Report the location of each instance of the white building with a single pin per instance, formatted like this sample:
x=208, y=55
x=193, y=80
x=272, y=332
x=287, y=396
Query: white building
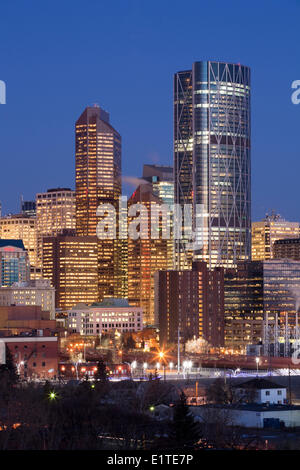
x=249, y=415
x=261, y=391
x=33, y=292
x=259, y=403
x=98, y=318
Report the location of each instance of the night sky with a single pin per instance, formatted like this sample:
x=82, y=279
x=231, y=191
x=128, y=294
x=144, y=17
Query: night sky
x=57, y=57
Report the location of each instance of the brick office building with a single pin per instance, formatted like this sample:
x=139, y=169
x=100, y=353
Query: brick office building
x=191, y=301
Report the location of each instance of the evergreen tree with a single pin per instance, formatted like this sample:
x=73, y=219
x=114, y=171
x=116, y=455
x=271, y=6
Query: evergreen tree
x=130, y=343
x=184, y=431
x=9, y=370
x=101, y=373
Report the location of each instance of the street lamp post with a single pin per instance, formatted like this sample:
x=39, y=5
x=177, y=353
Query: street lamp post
x=257, y=362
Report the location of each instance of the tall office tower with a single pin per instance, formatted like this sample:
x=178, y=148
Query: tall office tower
x=273, y=227
x=28, y=208
x=162, y=181
x=212, y=160
x=55, y=212
x=21, y=227
x=190, y=303
x=14, y=262
x=98, y=182
x=146, y=254
x=70, y=262
x=260, y=293
x=288, y=248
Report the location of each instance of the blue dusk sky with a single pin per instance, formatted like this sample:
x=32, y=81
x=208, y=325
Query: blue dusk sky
x=57, y=57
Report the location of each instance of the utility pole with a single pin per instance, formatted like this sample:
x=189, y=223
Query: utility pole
x=178, y=351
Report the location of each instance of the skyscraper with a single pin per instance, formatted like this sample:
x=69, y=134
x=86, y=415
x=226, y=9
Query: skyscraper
x=55, y=212
x=22, y=227
x=70, y=263
x=259, y=293
x=212, y=159
x=146, y=255
x=264, y=234
x=98, y=181
x=190, y=302
x=14, y=262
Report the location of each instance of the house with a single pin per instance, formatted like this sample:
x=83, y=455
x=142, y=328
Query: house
x=260, y=390
x=259, y=403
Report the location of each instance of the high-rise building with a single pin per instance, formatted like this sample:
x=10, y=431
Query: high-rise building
x=55, y=212
x=260, y=292
x=273, y=227
x=288, y=248
x=70, y=263
x=22, y=227
x=34, y=292
x=28, y=208
x=162, y=180
x=98, y=182
x=14, y=262
x=146, y=254
x=212, y=160
x=190, y=303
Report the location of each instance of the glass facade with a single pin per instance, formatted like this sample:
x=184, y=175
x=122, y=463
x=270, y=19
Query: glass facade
x=259, y=293
x=98, y=181
x=14, y=262
x=212, y=159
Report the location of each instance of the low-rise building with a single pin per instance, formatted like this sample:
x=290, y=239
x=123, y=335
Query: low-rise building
x=110, y=314
x=249, y=415
x=33, y=292
x=35, y=357
x=261, y=391
x=25, y=319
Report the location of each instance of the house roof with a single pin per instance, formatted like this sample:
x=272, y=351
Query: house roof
x=258, y=384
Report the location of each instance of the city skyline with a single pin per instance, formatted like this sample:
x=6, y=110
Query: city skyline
x=147, y=135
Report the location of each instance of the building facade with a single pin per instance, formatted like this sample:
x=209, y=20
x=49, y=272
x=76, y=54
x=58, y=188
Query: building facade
x=287, y=249
x=14, y=262
x=265, y=233
x=21, y=227
x=190, y=303
x=146, y=254
x=212, y=137
x=55, y=212
x=35, y=357
x=98, y=182
x=259, y=294
x=34, y=292
x=71, y=265
x=108, y=315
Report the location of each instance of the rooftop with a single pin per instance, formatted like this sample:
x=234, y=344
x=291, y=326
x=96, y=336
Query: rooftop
x=112, y=302
x=258, y=407
x=259, y=384
x=14, y=243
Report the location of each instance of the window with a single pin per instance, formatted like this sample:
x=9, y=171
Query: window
x=279, y=392
x=268, y=392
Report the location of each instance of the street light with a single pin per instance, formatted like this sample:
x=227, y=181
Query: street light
x=171, y=365
x=257, y=362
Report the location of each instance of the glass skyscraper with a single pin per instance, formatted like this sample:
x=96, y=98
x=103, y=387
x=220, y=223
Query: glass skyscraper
x=212, y=160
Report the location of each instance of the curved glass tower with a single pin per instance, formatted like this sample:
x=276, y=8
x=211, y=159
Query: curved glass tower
x=212, y=134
